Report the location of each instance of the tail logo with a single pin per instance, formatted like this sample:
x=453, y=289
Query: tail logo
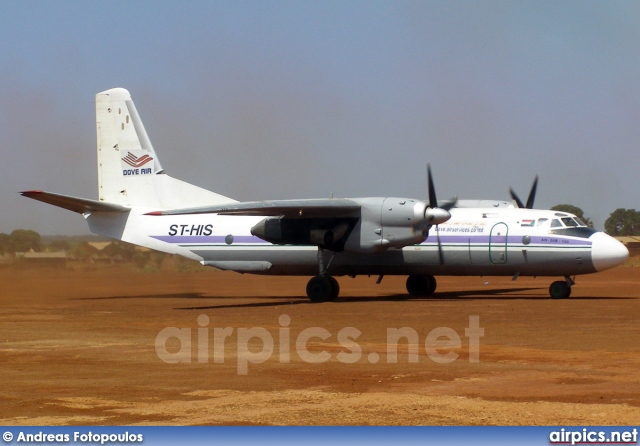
x=133, y=162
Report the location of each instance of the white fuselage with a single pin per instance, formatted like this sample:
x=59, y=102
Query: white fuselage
x=475, y=241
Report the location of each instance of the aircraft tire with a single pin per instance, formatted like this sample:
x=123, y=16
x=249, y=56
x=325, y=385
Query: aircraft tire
x=320, y=289
x=421, y=285
x=335, y=288
x=559, y=290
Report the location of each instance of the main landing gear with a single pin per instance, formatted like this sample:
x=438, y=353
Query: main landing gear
x=323, y=288
x=421, y=285
x=561, y=289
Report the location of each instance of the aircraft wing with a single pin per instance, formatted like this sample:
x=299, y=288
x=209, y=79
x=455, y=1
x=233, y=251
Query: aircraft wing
x=305, y=208
x=75, y=204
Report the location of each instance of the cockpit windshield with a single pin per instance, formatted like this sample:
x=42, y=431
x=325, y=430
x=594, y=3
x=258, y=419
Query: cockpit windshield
x=566, y=222
x=570, y=222
x=572, y=226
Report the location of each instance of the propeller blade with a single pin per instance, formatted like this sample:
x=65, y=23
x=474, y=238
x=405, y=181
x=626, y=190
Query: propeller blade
x=447, y=206
x=515, y=198
x=437, y=214
x=532, y=193
x=434, y=214
x=433, y=201
x=530, y=199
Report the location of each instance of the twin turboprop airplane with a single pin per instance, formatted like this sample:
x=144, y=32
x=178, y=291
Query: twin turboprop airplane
x=140, y=204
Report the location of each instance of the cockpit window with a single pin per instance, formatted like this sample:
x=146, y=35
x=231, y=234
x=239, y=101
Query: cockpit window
x=542, y=221
x=580, y=222
x=555, y=223
x=569, y=222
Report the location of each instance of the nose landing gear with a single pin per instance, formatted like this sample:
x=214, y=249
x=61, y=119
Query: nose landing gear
x=561, y=289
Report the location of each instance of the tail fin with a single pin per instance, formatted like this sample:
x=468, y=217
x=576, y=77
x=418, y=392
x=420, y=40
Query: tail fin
x=129, y=171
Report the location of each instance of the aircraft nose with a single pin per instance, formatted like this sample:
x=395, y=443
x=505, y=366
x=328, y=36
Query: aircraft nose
x=607, y=252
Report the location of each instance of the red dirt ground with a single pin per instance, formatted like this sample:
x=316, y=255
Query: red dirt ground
x=79, y=348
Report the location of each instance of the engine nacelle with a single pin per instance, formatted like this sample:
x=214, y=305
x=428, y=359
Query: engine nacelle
x=326, y=233
x=383, y=223
x=388, y=223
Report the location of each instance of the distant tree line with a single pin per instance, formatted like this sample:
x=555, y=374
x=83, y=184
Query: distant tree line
x=24, y=240
x=623, y=222
x=20, y=240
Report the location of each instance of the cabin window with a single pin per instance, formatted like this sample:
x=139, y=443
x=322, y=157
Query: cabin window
x=555, y=223
x=569, y=222
x=543, y=221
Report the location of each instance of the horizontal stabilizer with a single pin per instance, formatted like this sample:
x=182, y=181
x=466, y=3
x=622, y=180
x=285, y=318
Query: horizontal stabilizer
x=309, y=208
x=79, y=205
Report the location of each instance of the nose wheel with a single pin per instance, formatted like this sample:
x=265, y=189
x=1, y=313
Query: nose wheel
x=561, y=289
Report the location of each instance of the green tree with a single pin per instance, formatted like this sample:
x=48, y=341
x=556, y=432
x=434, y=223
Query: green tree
x=83, y=251
x=5, y=244
x=23, y=240
x=571, y=209
x=623, y=222
x=58, y=245
x=120, y=250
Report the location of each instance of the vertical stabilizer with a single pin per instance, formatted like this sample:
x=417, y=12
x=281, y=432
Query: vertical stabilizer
x=129, y=171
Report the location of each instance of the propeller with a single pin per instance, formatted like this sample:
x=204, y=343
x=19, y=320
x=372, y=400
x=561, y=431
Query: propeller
x=530, y=199
x=437, y=214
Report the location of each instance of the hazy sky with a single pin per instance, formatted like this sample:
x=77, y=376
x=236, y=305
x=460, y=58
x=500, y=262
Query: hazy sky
x=260, y=100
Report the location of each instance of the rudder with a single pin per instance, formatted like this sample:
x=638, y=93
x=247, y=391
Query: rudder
x=129, y=171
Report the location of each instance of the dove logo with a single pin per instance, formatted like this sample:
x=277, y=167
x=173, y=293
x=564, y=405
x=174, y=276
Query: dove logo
x=137, y=162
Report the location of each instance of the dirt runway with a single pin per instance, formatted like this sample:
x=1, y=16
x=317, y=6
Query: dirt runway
x=79, y=347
